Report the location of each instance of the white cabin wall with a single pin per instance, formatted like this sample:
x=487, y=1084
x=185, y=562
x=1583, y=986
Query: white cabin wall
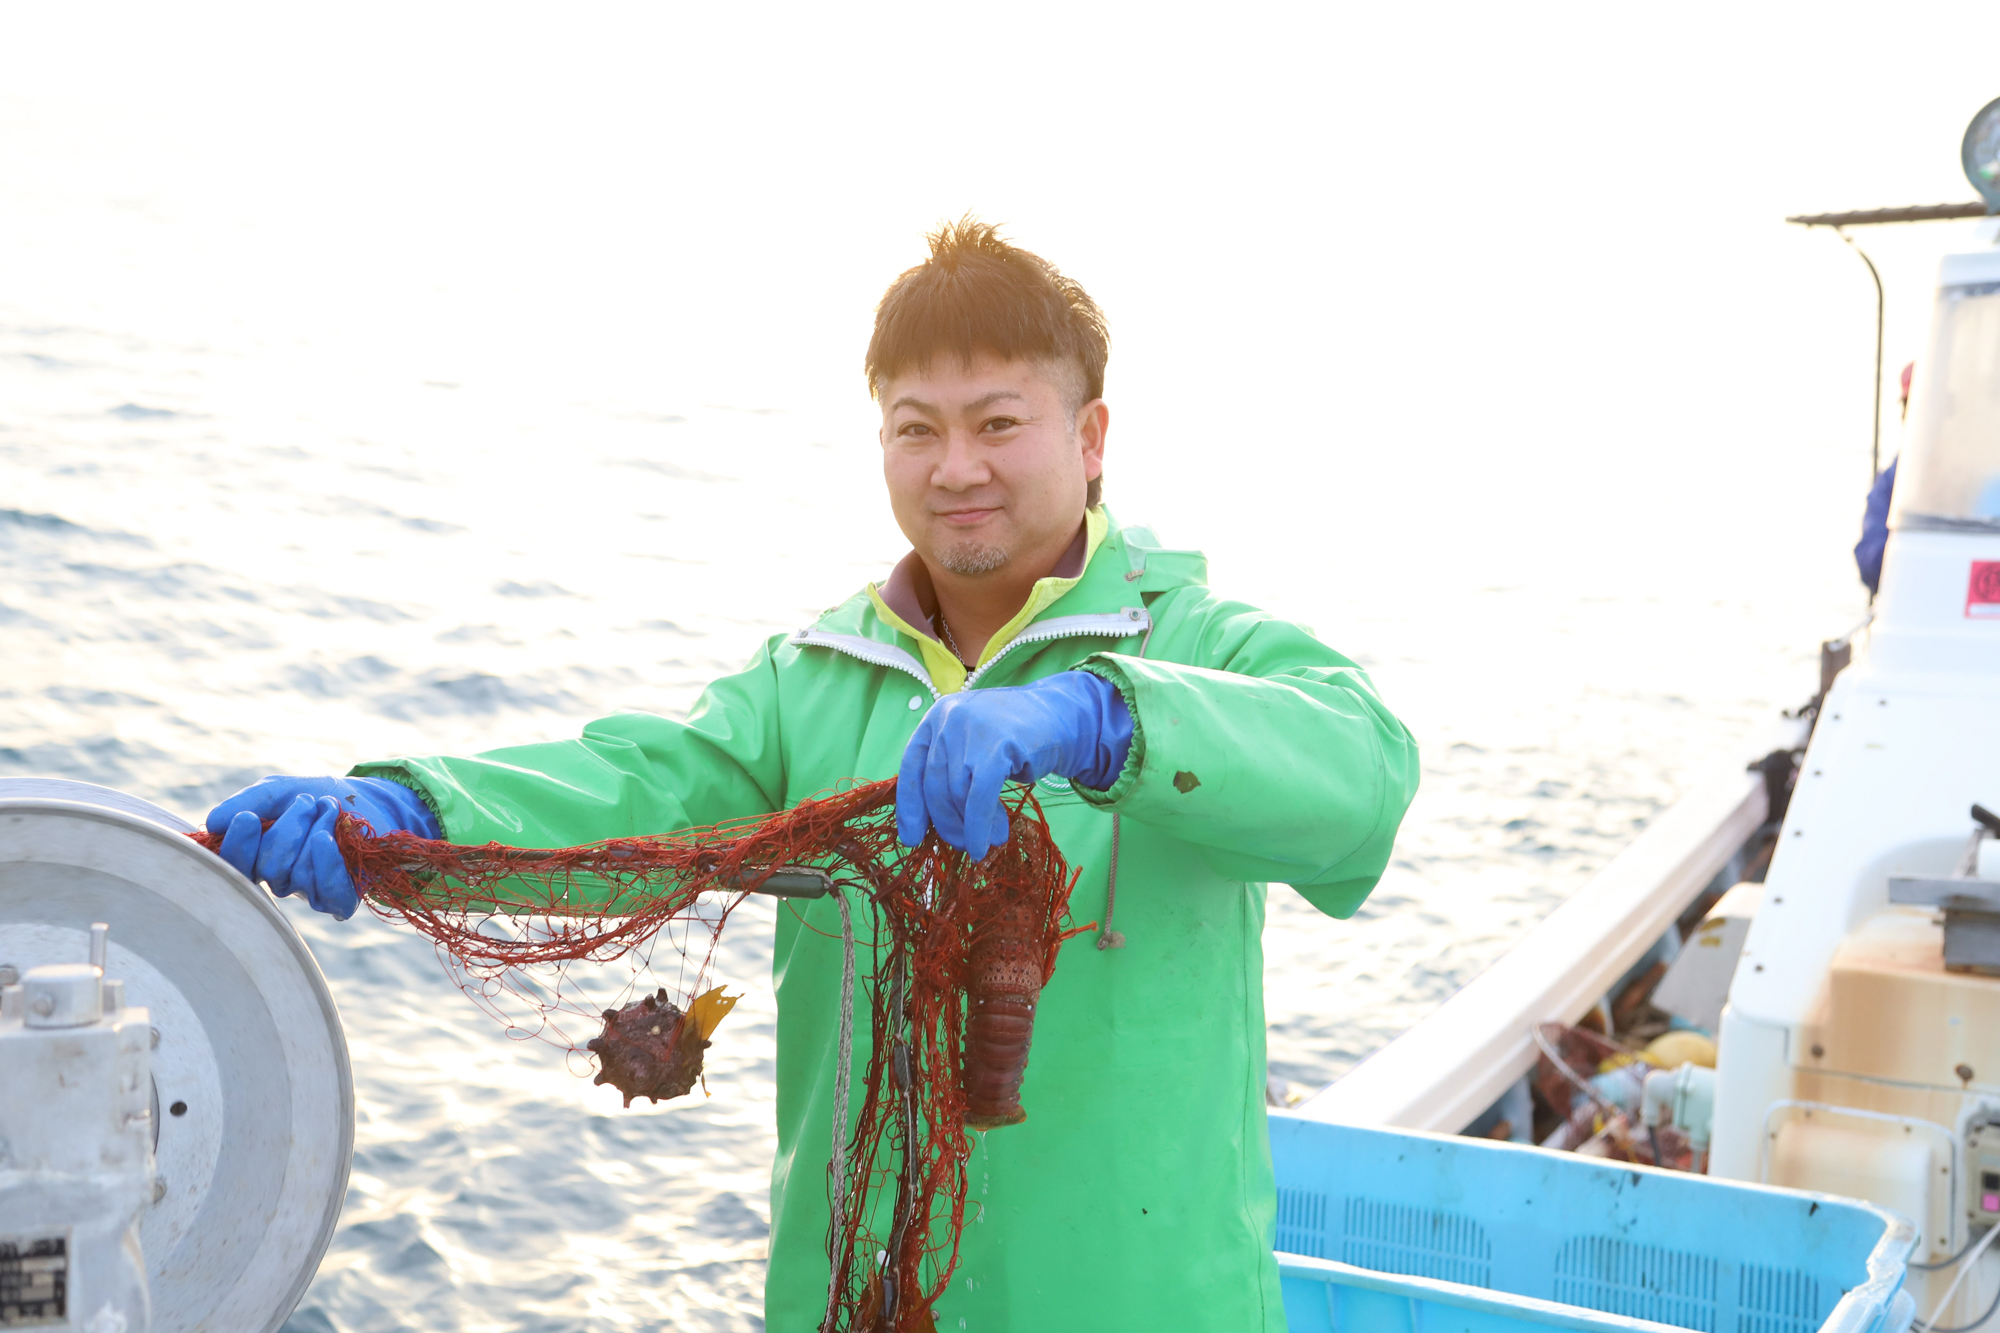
x=1921, y=626
x=1907, y=739
x=1885, y=787
x=1757, y=1074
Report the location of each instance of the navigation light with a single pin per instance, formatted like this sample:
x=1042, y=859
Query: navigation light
x=1981, y=154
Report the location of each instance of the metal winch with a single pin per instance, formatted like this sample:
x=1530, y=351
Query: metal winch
x=176, y=1108
x=76, y=1148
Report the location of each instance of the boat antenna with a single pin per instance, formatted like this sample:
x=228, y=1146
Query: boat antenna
x=1881, y=309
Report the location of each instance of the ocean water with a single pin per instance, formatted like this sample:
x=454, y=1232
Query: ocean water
x=422, y=385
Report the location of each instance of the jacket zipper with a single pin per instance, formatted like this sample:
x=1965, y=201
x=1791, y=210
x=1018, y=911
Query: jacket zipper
x=869, y=651
x=1121, y=625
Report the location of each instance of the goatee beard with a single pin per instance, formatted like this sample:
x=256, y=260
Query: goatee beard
x=972, y=558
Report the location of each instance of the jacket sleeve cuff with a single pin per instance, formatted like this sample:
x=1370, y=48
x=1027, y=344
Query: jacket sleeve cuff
x=394, y=771
x=1104, y=668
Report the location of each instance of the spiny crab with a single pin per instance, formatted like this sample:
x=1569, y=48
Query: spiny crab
x=651, y=1049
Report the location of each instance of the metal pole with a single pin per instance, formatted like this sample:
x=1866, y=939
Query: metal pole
x=1881, y=307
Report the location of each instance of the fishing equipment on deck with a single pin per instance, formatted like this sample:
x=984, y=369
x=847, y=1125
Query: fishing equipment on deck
x=238, y=1092
x=961, y=950
x=1382, y=1228
x=1597, y=1093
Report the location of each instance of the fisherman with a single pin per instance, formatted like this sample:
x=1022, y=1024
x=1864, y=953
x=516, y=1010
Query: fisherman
x=1187, y=750
x=1874, y=541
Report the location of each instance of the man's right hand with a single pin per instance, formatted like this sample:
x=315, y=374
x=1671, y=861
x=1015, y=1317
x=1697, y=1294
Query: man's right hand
x=297, y=854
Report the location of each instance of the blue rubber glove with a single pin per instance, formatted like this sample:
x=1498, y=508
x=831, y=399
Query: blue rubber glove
x=297, y=854
x=972, y=743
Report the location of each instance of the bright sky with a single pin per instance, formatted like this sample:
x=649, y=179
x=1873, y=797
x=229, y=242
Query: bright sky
x=1515, y=270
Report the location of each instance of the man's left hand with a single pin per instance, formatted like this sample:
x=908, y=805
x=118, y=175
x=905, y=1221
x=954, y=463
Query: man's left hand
x=972, y=743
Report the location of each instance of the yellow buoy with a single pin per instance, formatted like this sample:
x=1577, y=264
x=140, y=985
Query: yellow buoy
x=1674, y=1049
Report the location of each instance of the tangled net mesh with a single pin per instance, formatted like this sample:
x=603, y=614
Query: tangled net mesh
x=956, y=961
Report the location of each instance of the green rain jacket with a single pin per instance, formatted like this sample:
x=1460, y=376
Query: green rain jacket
x=1138, y=1193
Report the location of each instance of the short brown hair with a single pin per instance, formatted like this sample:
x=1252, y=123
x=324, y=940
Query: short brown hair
x=977, y=293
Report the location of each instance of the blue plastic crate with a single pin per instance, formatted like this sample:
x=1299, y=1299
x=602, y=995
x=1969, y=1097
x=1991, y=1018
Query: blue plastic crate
x=1385, y=1231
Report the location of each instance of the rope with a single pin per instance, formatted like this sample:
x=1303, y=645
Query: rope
x=1971, y=1263
x=842, y=1080
x=1943, y=1264
x=1966, y=1328
x=1576, y=1079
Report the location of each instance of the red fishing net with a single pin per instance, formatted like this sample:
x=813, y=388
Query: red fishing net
x=949, y=963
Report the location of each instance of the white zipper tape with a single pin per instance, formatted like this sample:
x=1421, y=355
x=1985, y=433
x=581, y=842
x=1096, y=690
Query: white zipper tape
x=1120, y=624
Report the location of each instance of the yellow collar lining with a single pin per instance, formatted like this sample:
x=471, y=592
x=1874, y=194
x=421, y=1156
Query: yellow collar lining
x=947, y=673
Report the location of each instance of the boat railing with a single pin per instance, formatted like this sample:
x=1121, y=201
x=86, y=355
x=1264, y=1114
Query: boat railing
x=1443, y=1072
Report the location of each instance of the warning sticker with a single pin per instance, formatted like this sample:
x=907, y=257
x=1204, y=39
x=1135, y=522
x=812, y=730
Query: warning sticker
x=1982, y=594
x=34, y=1281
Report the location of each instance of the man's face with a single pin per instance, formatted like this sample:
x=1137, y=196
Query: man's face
x=987, y=468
